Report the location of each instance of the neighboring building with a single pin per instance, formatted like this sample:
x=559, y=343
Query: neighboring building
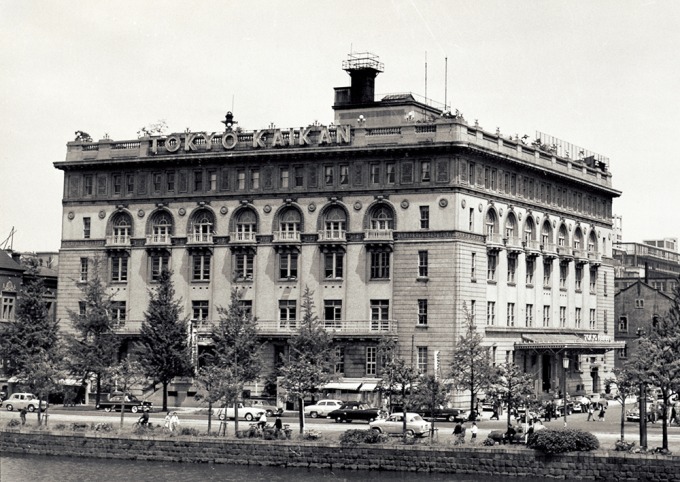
x=652, y=261
x=637, y=307
x=396, y=216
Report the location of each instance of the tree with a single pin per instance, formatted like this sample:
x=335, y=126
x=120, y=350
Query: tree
x=310, y=357
x=95, y=347
x=513, y=386
x=471, y=367
x=399, y=379
x=125, y=374
x=31, y=342
x=164, y=346
x=236, y=349
x=213, y=379
x=656, y=361
x=432, y=393
x=626, y=385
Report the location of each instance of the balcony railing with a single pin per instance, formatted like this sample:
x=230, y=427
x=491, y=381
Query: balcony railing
x=349, y=327
x=549, y=250
x=118, y=240
x=158, y=239
x=332, y=235
x=594, y=258
x=286, y=236
x=243, y=237
x=494, y=241
x=199, y=238
x=514, y=243
x=378, y=235
x=565, y=252
x=581, y=255
x=532, y=246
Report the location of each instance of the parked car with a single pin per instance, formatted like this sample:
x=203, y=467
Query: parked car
x=247, y=413
x=443, y=413
x=128, y=401
x=322, y=408
x=268, y=408
x=350, y=411
x=19, y=401
x=581, y=403
x=394, y=425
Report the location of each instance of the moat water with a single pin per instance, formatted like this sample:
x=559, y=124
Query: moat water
x=33, y=468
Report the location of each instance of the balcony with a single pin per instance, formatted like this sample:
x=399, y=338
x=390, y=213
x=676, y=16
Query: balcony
x=494, y=242
x=514, y=244
x=118, y=241
x=378, y=235
x=158, y=239
x=244, y=238
x=565, y=253
x=594, y=258
x=200, y=239
x=287, y=237
x=373, y=328
x=580, y=255
x=532, y=247
x=332, y=236
x=549, y=250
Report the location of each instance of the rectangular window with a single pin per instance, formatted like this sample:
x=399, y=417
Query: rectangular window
x=371, y=360
x=546, y=316
x=380, y=264
x=547, y=274
x=487, y=178
x=471, y=173
x=201, y=267
x=471, y=220
x=422, y=312
x=512, y=268
x=244, y=266
x=130, y=183
x=604, y=321
x=424, y=217
x=86, y=228
x=531, y=267
x=287, y=313
x=592, y=322
x=577, y=317
x=491, y=268
x=623, y=324
x=156, y=179
x=333, y=262
x=494, y=179
x=288, y=265
x=511, y=314
x=283, y=178
x=84, y=265
x=473, y=310
x=380, y=315
x=529, y=316
x=88, y=186
x=255, y=179
x=198, y=181
x=118, y=312
x=563, y=316
x=564, y=270
x=344, y=174
x=117, y=181
x=422, y=359
x=299, y=176
x=119, y=269
x=473, y=266
x=578, y=276
x=8, y=304
x=212, y=180
x=200, y=310
x=241, y=179
x=328, y=175
x=623, y=352
x=390, y=173
x=604, y=284
x=82, y=308
x=101, y=185
x=425, y=171
x=422, y=264
x=494, y=351
x=170, y=181
x=491, y=313
x=639, y=303
x=159, y=262
x=593, y=280
x=340, y=360
x=332, y=313
x=375, y=173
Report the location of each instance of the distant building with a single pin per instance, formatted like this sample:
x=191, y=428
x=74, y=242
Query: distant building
x=638, y=306
x=651, y=261
x=397, y=216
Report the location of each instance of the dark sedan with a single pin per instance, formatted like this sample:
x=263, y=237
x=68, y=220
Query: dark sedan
x=442, y=413
x=354, y=411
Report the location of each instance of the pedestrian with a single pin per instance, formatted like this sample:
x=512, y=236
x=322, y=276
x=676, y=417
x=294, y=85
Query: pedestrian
x=457, y=433
x=22, y=415
x=166, y=421
x=144, y=419
x=510, y=434
x=600, y=416
x=262, y=422
x=278, y=424
x=494, y=415
x=674, y=415
x=591, y=413
x=473, y=431
x=174, y=422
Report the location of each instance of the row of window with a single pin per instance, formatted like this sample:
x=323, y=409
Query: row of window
x=529, y=316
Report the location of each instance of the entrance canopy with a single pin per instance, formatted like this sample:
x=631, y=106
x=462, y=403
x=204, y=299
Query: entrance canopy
x=588, y=342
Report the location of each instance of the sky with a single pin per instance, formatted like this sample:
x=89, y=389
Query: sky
x=604, y=75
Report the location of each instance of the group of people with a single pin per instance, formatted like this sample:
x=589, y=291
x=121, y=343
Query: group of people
x=600, y=408
x=171, y=421
x=278, y=424
x=459, y=432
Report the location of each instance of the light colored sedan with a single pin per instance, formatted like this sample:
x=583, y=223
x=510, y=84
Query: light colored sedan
x=394, y=425
x=19, y=401
x=322, y=408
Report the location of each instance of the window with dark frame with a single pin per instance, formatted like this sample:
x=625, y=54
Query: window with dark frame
x=380, y=264
x=87, y=224
x=332, y=310
x=380, y=315
x=119, y=269
x=422, y=264
x=422, y=312
x=201, y=267
x=287, y=313
x=424, y=217
x=288, y=265
x=333, y=264
x=200, y=310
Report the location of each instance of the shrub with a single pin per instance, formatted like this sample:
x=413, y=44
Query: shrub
x=189, y=431
x=13, y=423
x=78, y=427
x=101, y=427
x=356, y=436
x=60, y=426
x=623, y=446
x=558, y=441
x=488, y=442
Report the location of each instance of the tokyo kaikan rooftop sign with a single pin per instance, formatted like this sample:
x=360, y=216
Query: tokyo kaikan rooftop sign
x=314, y=135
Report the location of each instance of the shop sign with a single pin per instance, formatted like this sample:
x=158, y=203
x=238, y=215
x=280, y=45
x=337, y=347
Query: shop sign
x=597, y=337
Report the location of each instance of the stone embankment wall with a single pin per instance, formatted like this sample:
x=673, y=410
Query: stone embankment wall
x=511, y=462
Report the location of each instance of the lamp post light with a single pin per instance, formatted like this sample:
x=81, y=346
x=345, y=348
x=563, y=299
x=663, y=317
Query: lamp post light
x=565, y=365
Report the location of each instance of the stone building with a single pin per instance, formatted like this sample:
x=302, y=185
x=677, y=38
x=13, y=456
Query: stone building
x=396, y=216
x=657, y=262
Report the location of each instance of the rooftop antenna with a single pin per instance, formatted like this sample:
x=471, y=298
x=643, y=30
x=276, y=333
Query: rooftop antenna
x=9, y=240
x=446, y=82
x=426, y=76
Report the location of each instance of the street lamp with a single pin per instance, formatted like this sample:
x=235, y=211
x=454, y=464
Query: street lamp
x=565, y=365
x=642, y=401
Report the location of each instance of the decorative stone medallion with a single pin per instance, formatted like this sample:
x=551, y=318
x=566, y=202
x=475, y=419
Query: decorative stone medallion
x=404, y=204
x=463, y=203
x=140, y=213
x=267, y=208
x=311, y=207
x=102, y=214
x=357, y=206
x=443, y=202
x=71, y=215
x=224, y=210
x=182, y=211
x=480, y=207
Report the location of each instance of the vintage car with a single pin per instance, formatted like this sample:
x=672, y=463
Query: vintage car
x=322, y=408
x=129, y=402
x=269, y=408
x=19, y=401
x=394, y=425
x=443, y=413
x=247, y=413
x=354, y=411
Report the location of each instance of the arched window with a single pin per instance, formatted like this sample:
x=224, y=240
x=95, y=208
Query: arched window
x=491, y=222
x=382, y=219
x=202, y=225
x=529, y=230
x=289, y=222
x=246, y=225
x=578, y=239
x=562, y=236
x=121, y=227
x=592, y=242
x=161, y=227
x=335, y=222
x=546, y=234
x=510, y=226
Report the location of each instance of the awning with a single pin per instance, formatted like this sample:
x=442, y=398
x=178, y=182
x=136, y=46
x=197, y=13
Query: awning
x=15, y=380
x=70, y=382
x=341, y=386
x=368, y=386
x=569, y=341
